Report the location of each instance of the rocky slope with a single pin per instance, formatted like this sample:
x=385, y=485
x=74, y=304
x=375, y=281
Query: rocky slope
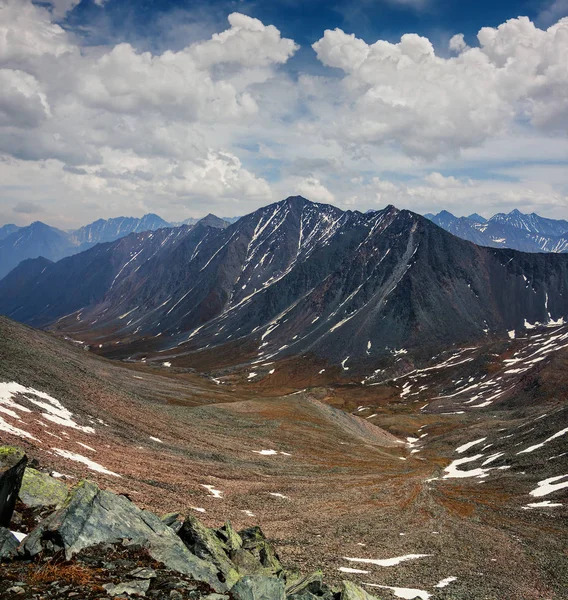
x=334, y=489
x=90, y=541
x=292, y=279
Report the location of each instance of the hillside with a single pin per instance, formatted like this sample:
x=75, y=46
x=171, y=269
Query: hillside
x=473, y=486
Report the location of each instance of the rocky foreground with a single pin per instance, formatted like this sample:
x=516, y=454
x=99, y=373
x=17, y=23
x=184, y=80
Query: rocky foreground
x=88, y=543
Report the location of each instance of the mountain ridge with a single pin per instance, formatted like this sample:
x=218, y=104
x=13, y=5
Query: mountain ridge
x=293, y=278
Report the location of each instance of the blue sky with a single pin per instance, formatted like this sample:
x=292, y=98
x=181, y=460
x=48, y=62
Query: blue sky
x=111, y=107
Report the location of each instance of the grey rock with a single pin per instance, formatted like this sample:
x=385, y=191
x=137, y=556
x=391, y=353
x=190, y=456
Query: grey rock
x=91, y=516
x=12, y=466
x=170, y=519
x=256, y=543
x=311, y=582
x=143, y=573
x=350, y=591
x=204, y=543
x=130, y=588
x=175, y=595
x=248, y=564
x=8, y=544
x=39, y=489
x=259, y=587
x=230, y=537
x=16, y=590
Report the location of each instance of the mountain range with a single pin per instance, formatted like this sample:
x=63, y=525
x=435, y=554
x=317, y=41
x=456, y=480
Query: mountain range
x=524, y=232
x=295, y=278
x=39, y=239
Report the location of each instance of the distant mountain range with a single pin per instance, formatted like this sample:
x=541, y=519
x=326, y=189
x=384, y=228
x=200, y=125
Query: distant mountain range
x=292, y=278
x=528, y=233
x=38, y=239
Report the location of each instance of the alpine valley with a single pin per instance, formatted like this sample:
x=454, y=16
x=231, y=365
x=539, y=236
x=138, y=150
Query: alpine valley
x=384, y=393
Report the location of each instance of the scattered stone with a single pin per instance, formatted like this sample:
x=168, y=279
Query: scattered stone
x=259, y=587
x=175, y=595
x=170, y=519
x=143, y=573
x=8, y=544
x=91, y=516
x=130, y=588
x=12, y=466
x=39, y=489
x=16, y=590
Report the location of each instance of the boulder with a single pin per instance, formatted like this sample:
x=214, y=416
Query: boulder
x=350, y=591
x=91, y=516
x=41, y=490
x=230, y=537
x=247, y=564
x=205, y=543
x=8, y=544
x=256, y=543
x=12, y=466
x=259, y=587
x=312, y=583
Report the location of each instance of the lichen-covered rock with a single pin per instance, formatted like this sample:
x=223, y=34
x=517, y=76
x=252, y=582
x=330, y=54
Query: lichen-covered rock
x=205, y=543
x=247, y=564
x=8, y=544
x=230, y=537
x=39, y=489
x=350, y=591
x=312, y=583
x=256, y=543
x=12, y=466
x=91, y=516
x=259, y=587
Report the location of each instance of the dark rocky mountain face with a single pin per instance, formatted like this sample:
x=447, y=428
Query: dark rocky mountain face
x=293, y=278
x=527, y=233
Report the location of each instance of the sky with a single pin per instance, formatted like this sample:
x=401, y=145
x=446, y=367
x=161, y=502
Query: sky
x=178, y=107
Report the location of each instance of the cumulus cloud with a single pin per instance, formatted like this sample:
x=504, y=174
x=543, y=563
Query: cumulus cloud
x=428, y=105
x=313, y=189
x=88, y=132
x=118, y=121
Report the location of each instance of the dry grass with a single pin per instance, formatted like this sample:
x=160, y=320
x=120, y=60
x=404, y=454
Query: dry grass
x=68, y=573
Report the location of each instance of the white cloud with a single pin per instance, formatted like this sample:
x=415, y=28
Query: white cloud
x=218, y=125
x=313, y=189
x=406, y=95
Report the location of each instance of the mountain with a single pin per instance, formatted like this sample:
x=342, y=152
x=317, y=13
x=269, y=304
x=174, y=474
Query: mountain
x=108, y=230
x=527, y=233
x=37, y=239
x=7, y=230
x=477, y=218
x=532, y=223
x=293, y=278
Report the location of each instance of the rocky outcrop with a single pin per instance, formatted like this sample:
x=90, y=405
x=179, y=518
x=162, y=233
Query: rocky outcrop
x=153, y=557
x=12, y=466
x=91, y=516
